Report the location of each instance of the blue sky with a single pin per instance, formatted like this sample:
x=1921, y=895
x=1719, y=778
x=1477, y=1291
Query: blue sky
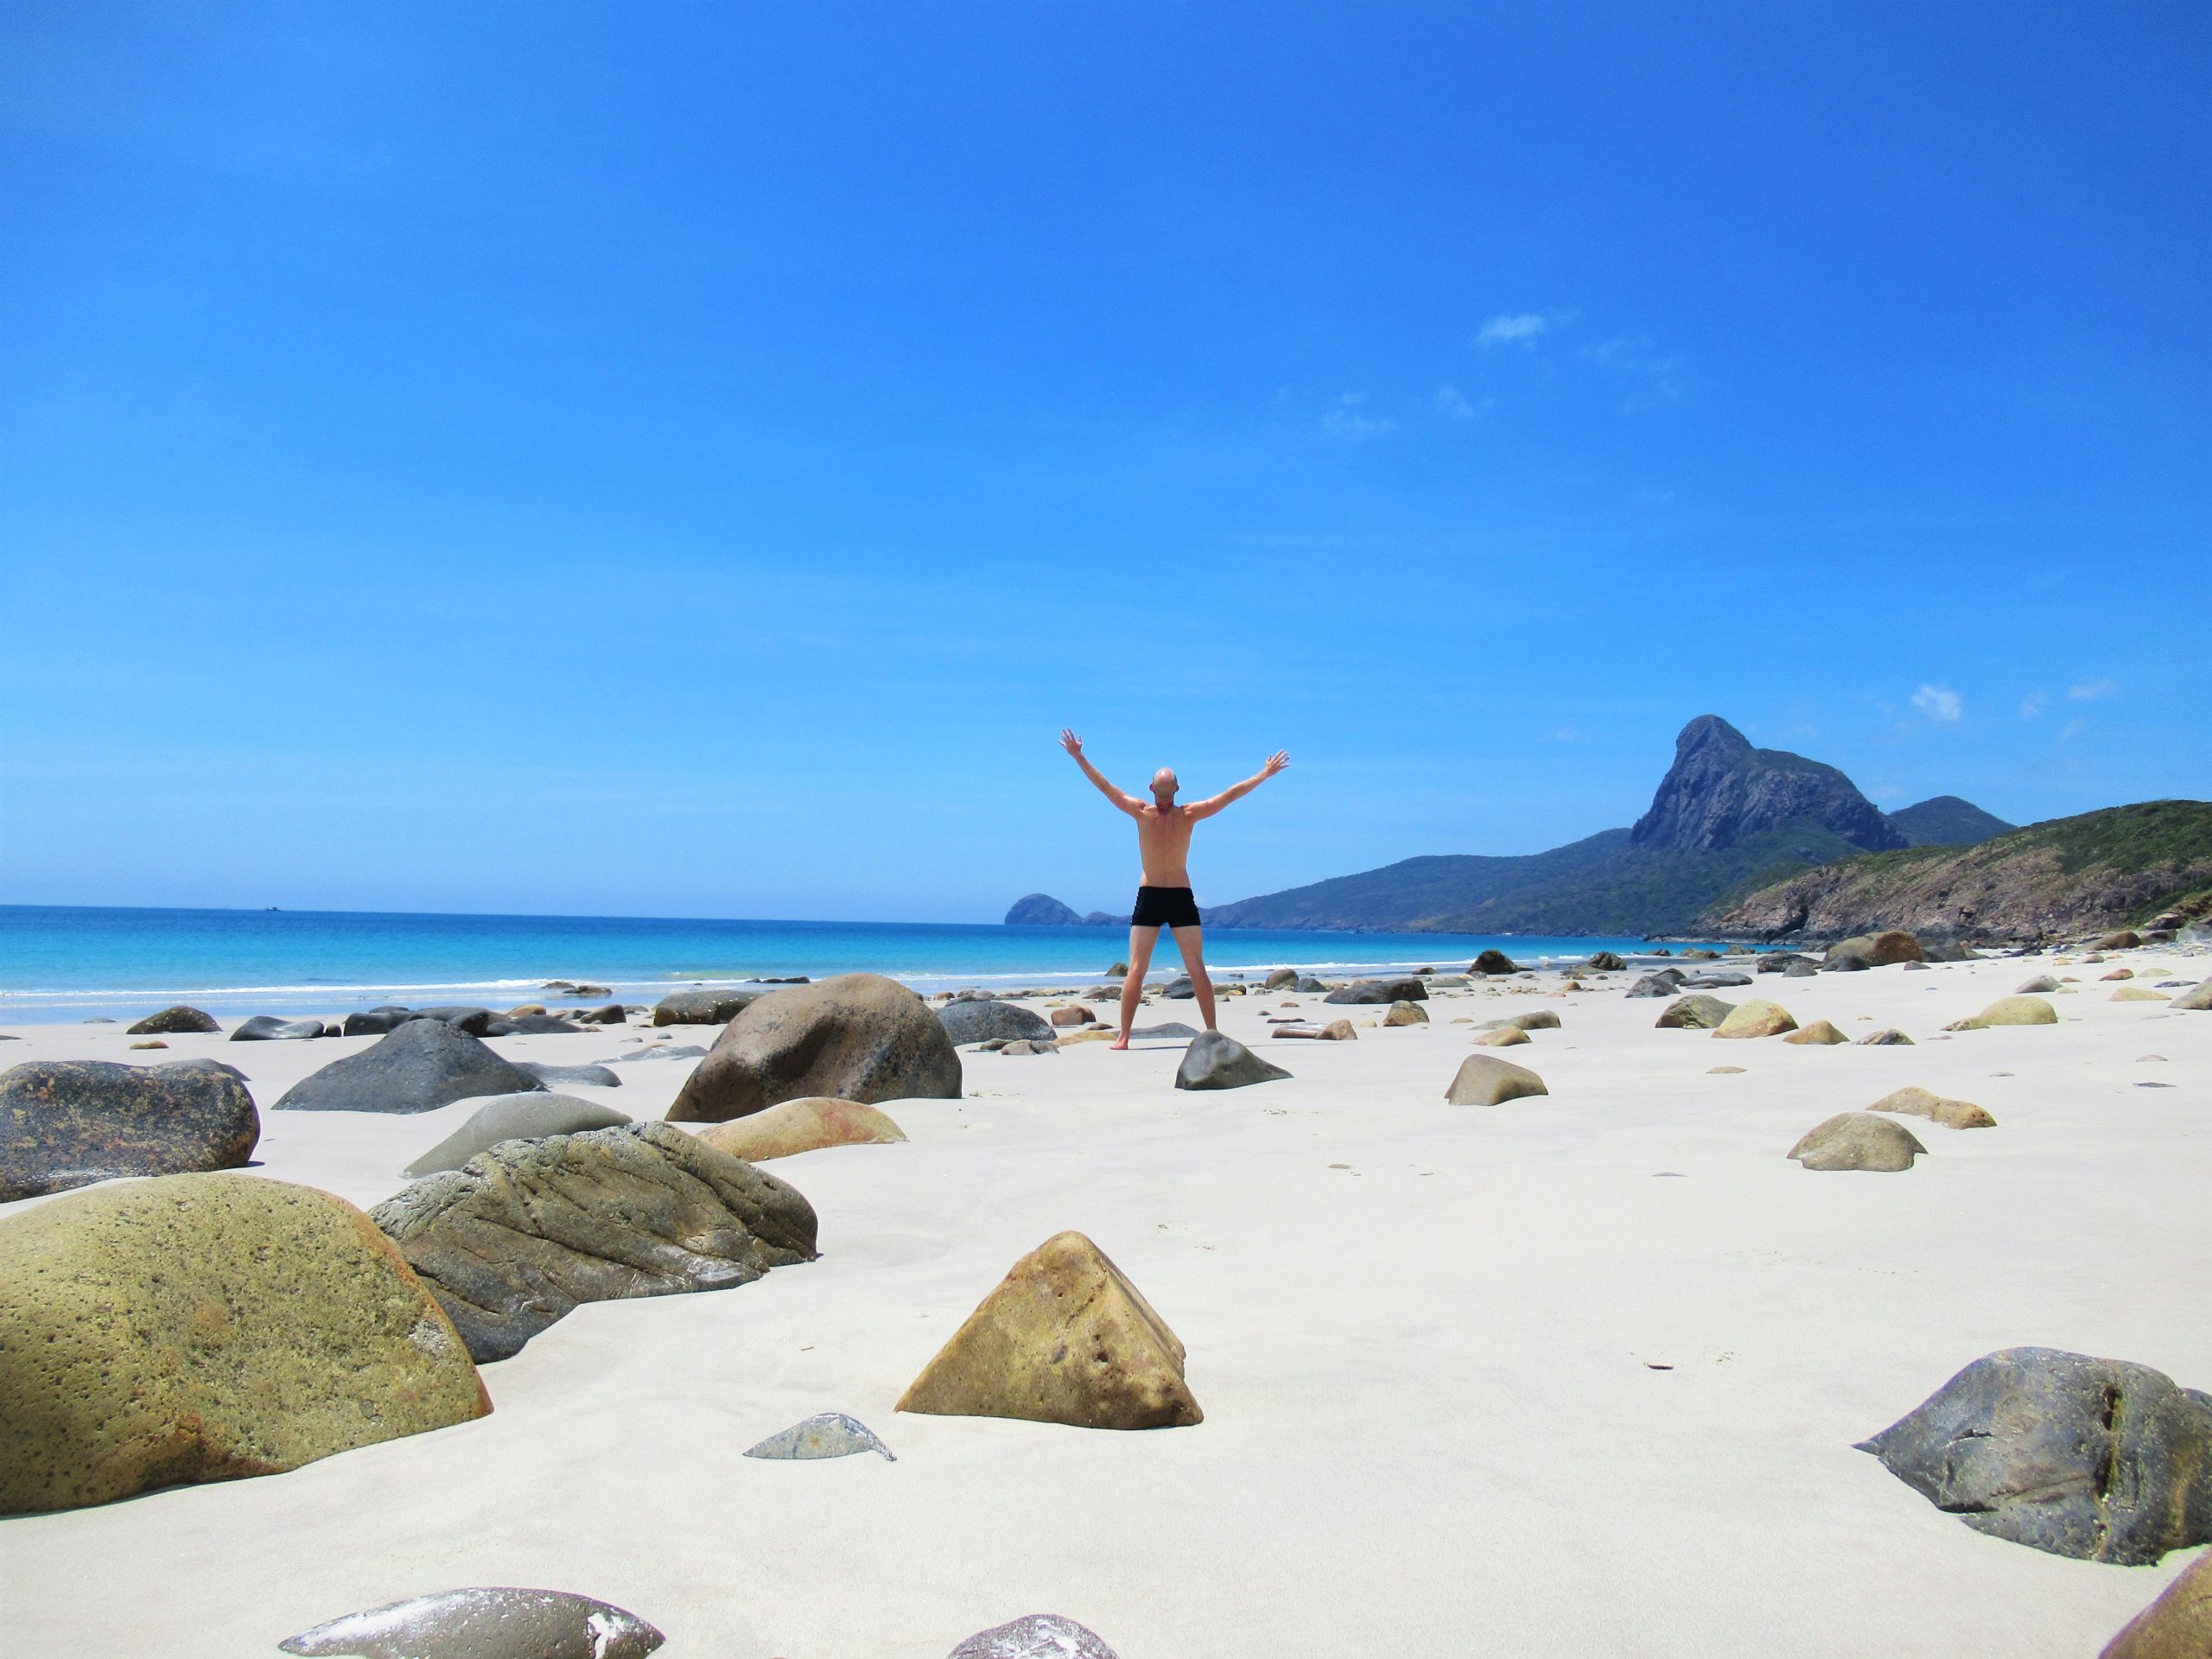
x=691, y=459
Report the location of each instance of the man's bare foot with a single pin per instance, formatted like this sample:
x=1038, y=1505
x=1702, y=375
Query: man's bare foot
x=1121, y=1041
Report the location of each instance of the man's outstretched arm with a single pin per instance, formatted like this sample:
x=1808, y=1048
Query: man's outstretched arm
x=1213, y=804
x=1128, y=802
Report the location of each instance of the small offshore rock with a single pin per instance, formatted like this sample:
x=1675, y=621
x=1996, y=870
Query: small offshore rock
x=1857, y=1141
x=174, y=1021
x=1035, y=1635
x=2098, y=1459
x=1485, y=1080
x=484, y=1623
x=1215, y=1060
x=825, y=1434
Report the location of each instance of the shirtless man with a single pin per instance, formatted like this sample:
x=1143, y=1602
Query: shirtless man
x=1164, y=901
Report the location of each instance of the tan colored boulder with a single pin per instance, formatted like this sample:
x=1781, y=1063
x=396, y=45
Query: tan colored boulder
x=1756, y=1018
x=1820, y=1032
x=2137, y=994
x=1916, y=1102
x=2177, y=1625
x=853, y=1037
x=1857, y=1141
x=2126, y=939
x=795, y=1126
x=2009, y=1010
x=1064, y=1338
x=1485, y=1080
x=1537, y=1020
x=206, y=1327
x=1338, y=1031
x=1405, y=1014
x=1503, y=1037
x=1074, y=1015
x=2196, y=1000
x=524, y=1010
x=1880, y=950
x=2121, y=973
x=1088, y=1034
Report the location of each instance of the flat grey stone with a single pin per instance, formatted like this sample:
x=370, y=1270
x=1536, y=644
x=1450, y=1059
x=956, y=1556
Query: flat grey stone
x=513, y=1117
x=485, y=1624
x=1215, y=1061
x=597, y=1076
x=981, y=1021
x=267, y=1028
x=657, y=1051
x=825, y=1434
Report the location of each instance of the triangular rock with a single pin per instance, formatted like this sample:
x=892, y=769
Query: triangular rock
x=1064, y=1338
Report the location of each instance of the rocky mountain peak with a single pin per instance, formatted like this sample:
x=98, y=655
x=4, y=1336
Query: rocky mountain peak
x=1721, y=791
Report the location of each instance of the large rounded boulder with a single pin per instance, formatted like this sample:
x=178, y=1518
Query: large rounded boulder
x=205, y=1327
x=983, y=1019
x=420, y=1066
x=854, y=1037
x=66, y=1123
x=174, y=1021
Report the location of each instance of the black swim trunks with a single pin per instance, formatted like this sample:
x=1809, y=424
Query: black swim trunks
x=1164, y=907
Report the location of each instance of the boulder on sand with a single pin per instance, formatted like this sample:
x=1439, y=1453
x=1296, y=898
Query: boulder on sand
x=1857, y=1141
x=1887, y=1037
x=2177, y=1625
x=1502, y=1037
x=1215, y=1061
x=484, y=1622
x=174, y=1021
x=702, y=1007
x=983, y=1021
x=66, y=1123
x=1605, y=962
x=1485, y=1080
x=2040, y=985
x=530, y=1228
x=1074, y=1014
x=596, y=1076
x=2126, y=939
x=206, y=1327
x=1695, y=1013
x=2095, y=1458
x=420, y=1066
x=795, y=1126
x=1756, y=1018
x=1493, y=962
x=2009, y=1010
x=1035, y=1635
x=853, y=1037
x=1338, y=1031
x=1281, y=979
x=374, y=1023
x=2137, y=994
x=1405, y=1014
x=1820, y=1034
x=1916, y=1102
x=513, y=1117
x=1064, y=1338
x=1539, y=1019
x=268, y=1028
x=1881, y=949
x=1664, y=982
x=2196, y=1000
x=1380, y=990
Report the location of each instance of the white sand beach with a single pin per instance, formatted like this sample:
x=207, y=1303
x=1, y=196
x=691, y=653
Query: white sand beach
x=1578, y=1375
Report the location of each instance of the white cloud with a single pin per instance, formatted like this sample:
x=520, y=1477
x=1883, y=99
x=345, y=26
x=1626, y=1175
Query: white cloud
x=1348, y=421
x=1453, y=405
x=2072, y=730
x=2033, y=705
x=1512, y=328
x=2092, y=690
x=1939, y=702
x=1567, y=735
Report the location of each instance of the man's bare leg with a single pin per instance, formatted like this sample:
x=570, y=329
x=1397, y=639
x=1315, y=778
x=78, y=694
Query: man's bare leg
x=1141, y=940
x=1190, y=941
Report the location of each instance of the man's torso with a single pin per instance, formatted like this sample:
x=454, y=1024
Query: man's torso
x=1163, y=842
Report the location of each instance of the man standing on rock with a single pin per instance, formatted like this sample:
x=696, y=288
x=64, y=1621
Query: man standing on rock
x=1165, y=901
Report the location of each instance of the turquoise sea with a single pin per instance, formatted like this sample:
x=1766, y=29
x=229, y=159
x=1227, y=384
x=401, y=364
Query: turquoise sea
x=59, y=964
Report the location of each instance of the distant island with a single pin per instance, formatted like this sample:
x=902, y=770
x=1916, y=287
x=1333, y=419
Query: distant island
x=1042, y=910
x=1727, y=819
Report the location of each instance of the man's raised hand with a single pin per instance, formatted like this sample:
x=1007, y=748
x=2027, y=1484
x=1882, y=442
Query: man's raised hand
x=1276, y=762
x=1070, y=742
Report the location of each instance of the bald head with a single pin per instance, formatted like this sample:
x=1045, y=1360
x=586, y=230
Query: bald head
x=1164, y=784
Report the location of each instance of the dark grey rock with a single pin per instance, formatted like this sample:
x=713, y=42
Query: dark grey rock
x=267, y=1028
x=1034, y=1635
x=715, y=1007
x=1215, y=1061
x=1801, y=970
x=1665, y=982
x=597, y=1076
x=1380, y=990
x=1780, y=962
x=376, y=1022
x=825, y=1434
x=583, y=988
x=1180, y=989
x=532, y=1025
x=980, y=1021
x=1307, y=983
x=1173, y=1031
x=513, y=1117
x=1605, y=962
x=485, y=1624
x=422, y=1065
x=2095, y=1458
x=657, y=1051
x=472, y=1021
x=1844, y=962
x=171, y=1022
x=1694, y=1013
x=66, y=1123
x=1493, y=963
x=530, y=1228
x=610, y=1015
